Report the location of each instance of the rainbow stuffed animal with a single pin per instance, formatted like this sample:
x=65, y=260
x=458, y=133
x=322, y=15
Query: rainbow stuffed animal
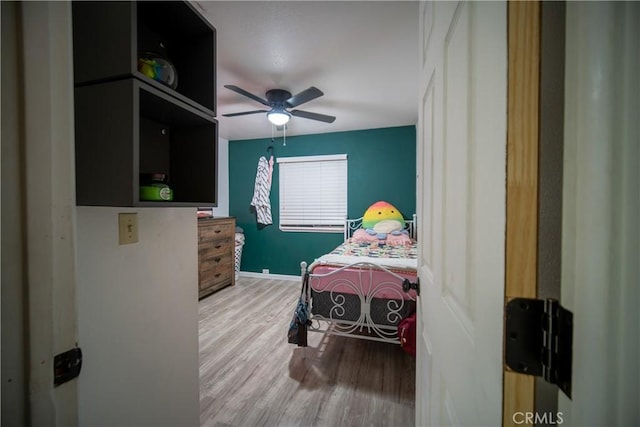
x=382, y=218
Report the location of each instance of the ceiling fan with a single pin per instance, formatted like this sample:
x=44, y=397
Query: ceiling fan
x=280, y=101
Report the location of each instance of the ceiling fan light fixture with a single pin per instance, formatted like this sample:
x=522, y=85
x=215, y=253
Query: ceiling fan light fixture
x=278, y=117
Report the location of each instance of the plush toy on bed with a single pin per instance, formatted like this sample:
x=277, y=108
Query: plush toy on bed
x=383, y=223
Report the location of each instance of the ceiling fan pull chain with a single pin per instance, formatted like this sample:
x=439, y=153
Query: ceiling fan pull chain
x=284, y=136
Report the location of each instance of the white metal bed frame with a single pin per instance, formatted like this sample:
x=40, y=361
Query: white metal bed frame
x=364, y=327
x=351, y=225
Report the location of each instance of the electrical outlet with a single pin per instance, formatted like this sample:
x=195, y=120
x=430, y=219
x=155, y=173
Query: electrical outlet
x=128, y=228
x=265, y=271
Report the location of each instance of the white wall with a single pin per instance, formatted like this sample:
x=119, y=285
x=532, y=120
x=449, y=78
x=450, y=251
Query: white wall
x=138, y=319
x=223, y=178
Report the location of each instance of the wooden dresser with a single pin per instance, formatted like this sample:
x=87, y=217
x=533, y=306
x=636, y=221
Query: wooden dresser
x=216, y=252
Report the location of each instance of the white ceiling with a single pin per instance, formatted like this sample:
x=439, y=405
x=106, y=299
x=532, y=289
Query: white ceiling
x=362, y=54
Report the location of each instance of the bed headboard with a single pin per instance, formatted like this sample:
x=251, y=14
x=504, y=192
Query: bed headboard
x=352, y=225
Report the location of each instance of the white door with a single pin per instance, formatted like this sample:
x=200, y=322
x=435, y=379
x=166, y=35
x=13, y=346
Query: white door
x=461, y=208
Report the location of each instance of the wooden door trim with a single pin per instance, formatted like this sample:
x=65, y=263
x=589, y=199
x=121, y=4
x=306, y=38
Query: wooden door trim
x=523, y=97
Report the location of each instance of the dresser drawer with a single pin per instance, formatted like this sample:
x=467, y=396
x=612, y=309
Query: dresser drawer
x=214, y=230
x=215, y=262
x=215, y=248
x=217, y=278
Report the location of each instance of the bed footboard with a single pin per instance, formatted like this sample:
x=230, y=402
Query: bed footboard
x=361, y=300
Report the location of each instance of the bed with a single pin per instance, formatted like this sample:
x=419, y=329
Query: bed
x=364, y=287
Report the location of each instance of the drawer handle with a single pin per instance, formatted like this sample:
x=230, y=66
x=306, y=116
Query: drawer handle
x=217, y=275
x=217, y=231
x=218, y=246
x=217, y=259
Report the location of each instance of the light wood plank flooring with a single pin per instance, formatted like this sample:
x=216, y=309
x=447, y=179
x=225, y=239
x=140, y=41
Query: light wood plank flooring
x=250, y=376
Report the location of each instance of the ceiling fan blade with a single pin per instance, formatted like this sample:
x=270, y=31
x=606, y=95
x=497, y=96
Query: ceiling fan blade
x=244, y=113
x=304, y=96
x=313, y=116
x=247, y=94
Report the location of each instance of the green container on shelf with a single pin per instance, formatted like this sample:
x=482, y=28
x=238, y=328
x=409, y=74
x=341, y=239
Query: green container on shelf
x=154, y=187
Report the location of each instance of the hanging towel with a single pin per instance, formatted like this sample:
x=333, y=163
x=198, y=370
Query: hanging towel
x=261, y=192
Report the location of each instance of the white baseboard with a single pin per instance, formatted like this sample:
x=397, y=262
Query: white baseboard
x=270, y=276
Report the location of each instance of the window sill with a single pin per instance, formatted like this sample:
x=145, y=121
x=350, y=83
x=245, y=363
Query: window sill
x=310, y=229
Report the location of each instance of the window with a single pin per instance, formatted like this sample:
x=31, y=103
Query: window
x=313, y=193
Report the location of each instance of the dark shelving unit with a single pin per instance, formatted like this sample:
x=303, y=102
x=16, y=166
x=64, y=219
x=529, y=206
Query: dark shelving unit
x=128, y=124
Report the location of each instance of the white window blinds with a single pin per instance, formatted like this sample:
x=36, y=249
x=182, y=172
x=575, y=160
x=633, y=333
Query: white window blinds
x=313, y=193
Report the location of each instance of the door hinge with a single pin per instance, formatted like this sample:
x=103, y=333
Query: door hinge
x=539, y=340
x=66, y=366
x=407, y=285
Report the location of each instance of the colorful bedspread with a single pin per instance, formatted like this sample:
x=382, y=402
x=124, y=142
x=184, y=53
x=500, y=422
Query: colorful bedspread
x=375, y=250
x=402, y=257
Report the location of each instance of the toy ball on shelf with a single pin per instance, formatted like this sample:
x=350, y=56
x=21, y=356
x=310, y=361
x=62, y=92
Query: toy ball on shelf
x=158, y=68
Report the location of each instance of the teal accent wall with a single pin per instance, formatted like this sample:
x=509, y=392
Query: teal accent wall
x=381, y=166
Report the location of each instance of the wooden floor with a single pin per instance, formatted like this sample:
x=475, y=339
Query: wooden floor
x=250, y=376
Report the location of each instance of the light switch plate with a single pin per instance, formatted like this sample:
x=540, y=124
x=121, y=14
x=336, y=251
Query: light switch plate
x=128, y=228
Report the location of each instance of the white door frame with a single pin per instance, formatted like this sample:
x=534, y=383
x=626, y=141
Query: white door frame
x=522, y=183
x=601, y=208
x=44, y=135
x=600, y=233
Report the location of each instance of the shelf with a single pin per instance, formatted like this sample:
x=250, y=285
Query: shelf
x=127, y=124
x=108, y=36
x=136, y=128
